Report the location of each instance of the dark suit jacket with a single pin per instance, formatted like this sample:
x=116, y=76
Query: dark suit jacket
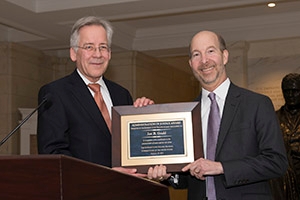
x=70, y=123
x=250, y=148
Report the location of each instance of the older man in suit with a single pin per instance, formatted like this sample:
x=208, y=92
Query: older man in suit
x=71, y=122
x=249, y=147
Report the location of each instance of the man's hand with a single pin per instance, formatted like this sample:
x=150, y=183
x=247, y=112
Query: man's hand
x=131, y=171
x=202, y=167
x=143, y=101
x=158, y=173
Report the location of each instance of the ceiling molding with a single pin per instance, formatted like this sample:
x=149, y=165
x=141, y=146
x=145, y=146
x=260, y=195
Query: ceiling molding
x=158, y=28
x=40, y=6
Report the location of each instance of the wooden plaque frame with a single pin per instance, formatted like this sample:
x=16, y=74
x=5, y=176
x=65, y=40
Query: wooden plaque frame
x=151, y=120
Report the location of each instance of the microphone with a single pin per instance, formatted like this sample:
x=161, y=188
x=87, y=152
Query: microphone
x=44, y=101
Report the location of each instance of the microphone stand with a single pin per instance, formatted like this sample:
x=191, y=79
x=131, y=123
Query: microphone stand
x=21, y=123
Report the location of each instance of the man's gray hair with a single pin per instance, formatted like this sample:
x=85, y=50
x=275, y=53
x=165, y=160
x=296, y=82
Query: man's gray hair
x=88, y=21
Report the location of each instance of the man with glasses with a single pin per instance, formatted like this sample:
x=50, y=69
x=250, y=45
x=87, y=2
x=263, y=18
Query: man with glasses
x=73, y=122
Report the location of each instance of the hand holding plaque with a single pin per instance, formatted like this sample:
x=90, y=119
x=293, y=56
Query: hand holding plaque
x=168, y=134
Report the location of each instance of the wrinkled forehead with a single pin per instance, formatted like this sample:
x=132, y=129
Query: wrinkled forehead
x=205, y=39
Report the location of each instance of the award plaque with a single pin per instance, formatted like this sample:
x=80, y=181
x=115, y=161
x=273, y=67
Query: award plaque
x=168, y=134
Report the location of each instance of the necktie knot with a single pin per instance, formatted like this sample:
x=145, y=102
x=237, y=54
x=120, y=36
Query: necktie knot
x=212, y=96
x=95, y=87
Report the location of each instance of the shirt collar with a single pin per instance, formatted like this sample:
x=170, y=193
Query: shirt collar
x=221, y=91
x=86, y=81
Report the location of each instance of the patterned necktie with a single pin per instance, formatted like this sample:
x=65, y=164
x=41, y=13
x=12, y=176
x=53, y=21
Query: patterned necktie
x=212, y=137
x=101, y=104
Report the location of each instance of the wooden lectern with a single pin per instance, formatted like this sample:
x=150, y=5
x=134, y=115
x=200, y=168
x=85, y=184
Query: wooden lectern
x=60, y=177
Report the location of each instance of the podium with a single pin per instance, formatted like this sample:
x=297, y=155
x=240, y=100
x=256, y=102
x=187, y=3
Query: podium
x=60, y=177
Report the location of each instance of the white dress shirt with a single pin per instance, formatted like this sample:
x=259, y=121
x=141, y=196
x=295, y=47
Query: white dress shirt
x=221, y=93
x=104, y=91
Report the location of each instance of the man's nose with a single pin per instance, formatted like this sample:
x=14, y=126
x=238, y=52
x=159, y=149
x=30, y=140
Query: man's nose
x=97, y=52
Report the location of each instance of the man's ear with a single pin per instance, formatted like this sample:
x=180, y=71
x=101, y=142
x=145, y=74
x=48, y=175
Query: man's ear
x=225, y=56
x=73, y=54
x=190, y=62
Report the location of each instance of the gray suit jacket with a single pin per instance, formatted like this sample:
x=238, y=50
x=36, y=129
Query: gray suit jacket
x=250, y=148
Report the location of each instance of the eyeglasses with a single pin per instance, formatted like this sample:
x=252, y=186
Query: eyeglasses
x=91, y=48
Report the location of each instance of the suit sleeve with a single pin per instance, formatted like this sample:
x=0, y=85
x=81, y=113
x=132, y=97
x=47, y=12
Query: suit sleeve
x=259, y=150
x=52, y=125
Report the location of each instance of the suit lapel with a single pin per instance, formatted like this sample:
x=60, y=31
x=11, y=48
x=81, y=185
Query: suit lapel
x=82, y=94
x=230, y=109
x=114, y=95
